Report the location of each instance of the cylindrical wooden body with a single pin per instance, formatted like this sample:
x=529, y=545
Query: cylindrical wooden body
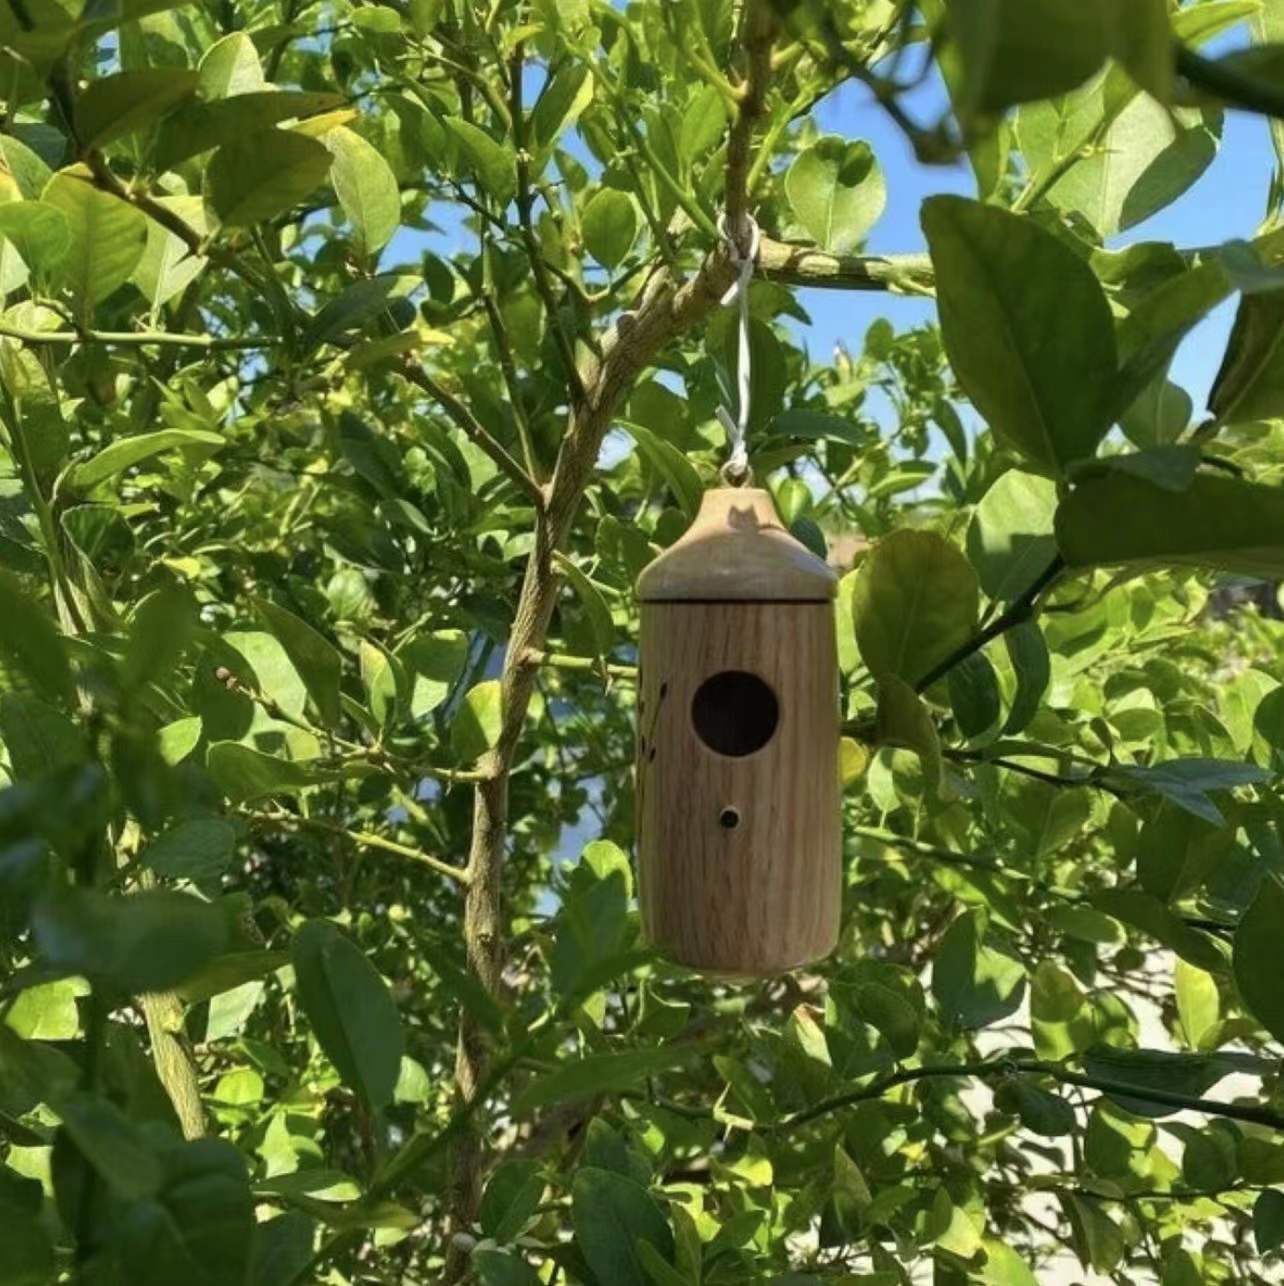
x=739, y=854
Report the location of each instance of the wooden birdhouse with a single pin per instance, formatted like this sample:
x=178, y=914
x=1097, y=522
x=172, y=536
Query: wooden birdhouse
x=739, y=843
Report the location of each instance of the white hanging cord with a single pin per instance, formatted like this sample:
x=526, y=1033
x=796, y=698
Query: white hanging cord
x=736, y=470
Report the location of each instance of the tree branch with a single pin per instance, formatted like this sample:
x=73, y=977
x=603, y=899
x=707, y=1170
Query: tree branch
x=795, y=265
x=1019, y=611
x=666, y=309
x=758, y=36
x=586, y=664
x=991, y=1069
x=476, y=431
x=160, y=338
x=294, y=821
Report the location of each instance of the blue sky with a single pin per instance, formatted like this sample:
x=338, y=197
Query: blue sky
x=1228, y=202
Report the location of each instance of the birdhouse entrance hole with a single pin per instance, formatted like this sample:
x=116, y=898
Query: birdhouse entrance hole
x=735, y=713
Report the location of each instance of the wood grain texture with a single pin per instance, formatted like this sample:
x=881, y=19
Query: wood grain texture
x=763, y=896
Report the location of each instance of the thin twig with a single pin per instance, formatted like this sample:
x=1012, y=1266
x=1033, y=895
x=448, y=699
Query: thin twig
x=136, y=337
x=476, y=431
x=294, y=821
x=1019, y=611
x=587, y=664
x=991, y=1069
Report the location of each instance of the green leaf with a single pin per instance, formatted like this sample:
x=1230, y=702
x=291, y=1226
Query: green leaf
x=25, y=169
x=975, y=985
x=954, y=1230
x=201, y=127
x=1149, y=336
x=1016, y=51
x=467, y=989
x=499, y=1268
x=200, y=849
x=598, y=1074
x=30, y=643
x=39, y=738
x=492, y=163
x=1026, y=327
x=593, y=927
x=313, y=655
x=703, y=122
x=38, y=231
x=677, y=471
x=263, y=174
x=380, y=678
x=477, y=722
x=915, y=601
x=366, y=187
x=1268, y=1221
x=1186, y=782
x=1199, y=1006
x=1136, y=155
x=231, y=66
x=817, y=426
x=1250, y=383
x=1141, y=38
x=111, y=106
x=350, y=1009
x=891, y=1015
x=1172, y=467
x=974, y=696
x=1159, y=416
x=168, y=266
x=1178, y=850
x=837, y=192
x=610, y=226
x=1004, y=1266
x=1153, y=918
x=433, y=664
x=47, y=1011
x=116, y=1148
x=510, y=1199
x=1257, y=960
x=563, y=98
x=1189, y=1075
x=108, y=237
x=1217, y=522
x=149, y=941
x=1010, y=540
x=596, y=608
x=903, y=720
x=229, y=971
x=611, y=1214
x=1042, y=1113
x=28, y=1252
x=243, y=773
x=124, y=453
x=160, y=628
x=360, y=303
x=1059, y=1021
x=1097, y=1239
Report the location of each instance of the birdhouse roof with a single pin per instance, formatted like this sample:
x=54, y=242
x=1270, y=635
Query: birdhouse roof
x=737, y=549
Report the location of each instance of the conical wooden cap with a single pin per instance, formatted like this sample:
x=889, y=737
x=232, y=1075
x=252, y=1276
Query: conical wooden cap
x=737, y=550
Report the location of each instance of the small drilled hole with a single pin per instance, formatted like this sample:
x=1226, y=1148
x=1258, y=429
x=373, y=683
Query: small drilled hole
x=729, y=819
x=735, y=713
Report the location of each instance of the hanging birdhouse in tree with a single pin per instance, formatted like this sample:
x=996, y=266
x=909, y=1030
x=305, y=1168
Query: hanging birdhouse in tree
x=737, y=774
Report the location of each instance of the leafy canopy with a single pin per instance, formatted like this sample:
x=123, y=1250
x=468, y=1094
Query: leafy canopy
x=354, y=360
